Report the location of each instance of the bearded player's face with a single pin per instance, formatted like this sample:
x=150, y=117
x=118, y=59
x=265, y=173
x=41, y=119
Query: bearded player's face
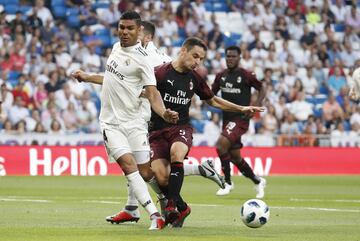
x=128, y=32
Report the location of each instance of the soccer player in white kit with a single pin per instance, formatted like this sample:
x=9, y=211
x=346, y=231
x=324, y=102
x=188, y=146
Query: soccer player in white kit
x=124, y=130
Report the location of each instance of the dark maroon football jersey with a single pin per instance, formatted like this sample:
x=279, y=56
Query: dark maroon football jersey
x=235, y=87
x=176, y=90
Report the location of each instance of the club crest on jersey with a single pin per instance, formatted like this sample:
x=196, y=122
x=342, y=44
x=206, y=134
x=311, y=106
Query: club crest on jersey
x=127, y=62
x=191, y=85
x=238, y=79
x=223, y=79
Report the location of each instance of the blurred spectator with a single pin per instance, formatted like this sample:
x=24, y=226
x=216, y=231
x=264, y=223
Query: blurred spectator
x=309, y=82
x=64, y=97
x=41, y=12
x=110, y=16
x=216, y=36
x=40, y=95
x=353, y=19
x=296, y=29
x=32, y=120
x=7, y=128
x=70, y=119
x=280, y=107
x=212, y=128
x=17, y=111
x=269, y=121
x=308, y=39
x=300, y=108
x=39, y=128
x=339, y=11
x=327, y=11
x=55, y=127
x=348, y=56
x=281, y=29
x=63, y=59
x=289, y=126
x=336, y=81
x=54, y=83
x=91, y=61
x=329, y=107
x=268, y=18
x=313, y=16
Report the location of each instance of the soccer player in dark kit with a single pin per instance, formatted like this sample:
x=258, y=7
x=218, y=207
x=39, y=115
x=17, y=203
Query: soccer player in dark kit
x=177, y=82
x=235, y=84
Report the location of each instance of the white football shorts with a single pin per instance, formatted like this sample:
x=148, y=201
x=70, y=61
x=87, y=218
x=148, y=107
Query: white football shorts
x=130, y=137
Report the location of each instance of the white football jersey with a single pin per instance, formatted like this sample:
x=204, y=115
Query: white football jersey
x=127, y=71
x=156, y=58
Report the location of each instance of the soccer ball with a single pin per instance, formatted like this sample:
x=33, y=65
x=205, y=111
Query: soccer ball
x=254, y=213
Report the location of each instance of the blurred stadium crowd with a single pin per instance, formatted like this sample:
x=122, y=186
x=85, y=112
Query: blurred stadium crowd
x=303, y=51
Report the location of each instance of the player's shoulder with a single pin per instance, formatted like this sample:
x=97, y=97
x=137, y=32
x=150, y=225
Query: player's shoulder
x=247, y=73
x=116, y=46
x=199, y=74
x=161, y=70
x=163, y=67
x=140, y=50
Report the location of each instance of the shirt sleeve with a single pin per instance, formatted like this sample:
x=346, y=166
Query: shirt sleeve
x=147, y=73
x=215, y=87
x=201, y=88
x=253, y=81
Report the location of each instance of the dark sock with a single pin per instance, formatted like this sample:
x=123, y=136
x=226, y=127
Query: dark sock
x=176, y=179
x=181, y=205
x=246, y=170
x=225, y=166
x=131, y=208
x=165, y=191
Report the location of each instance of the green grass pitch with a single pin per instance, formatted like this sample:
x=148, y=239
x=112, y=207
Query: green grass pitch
x=73, y=208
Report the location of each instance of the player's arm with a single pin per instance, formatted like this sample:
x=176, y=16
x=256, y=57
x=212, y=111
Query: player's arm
x=81, y=76
x=158, y=106
x=228, y=106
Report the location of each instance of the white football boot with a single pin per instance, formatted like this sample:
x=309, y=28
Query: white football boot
x=260, y=188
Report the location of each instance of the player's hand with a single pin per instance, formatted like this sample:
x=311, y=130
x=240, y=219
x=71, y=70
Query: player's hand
x=143, y=94
x=171, y=116
x=251, y=110
x=80, y=76
x=353, y=95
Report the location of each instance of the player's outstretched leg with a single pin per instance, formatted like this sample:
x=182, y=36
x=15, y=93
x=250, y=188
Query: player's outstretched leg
x=207, y=170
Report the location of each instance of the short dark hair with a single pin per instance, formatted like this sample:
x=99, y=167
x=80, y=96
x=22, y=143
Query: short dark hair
x=190, y=42
x=131, y=15
x=236, y=48
x=149, y=28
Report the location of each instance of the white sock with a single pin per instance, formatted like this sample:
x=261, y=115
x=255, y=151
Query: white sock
x=138, y=185
x=191, y=169
x=155, y=187
x=131, y=201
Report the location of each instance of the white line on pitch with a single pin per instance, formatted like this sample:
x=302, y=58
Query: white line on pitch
x=324, y=200
x=100, y=201
x=24, y=200
x=319, y=209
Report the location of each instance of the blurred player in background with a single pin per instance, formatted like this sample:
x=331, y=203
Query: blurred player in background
x=355, y=89
x=235, y=84
x=124, y=130
x=177, y=82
